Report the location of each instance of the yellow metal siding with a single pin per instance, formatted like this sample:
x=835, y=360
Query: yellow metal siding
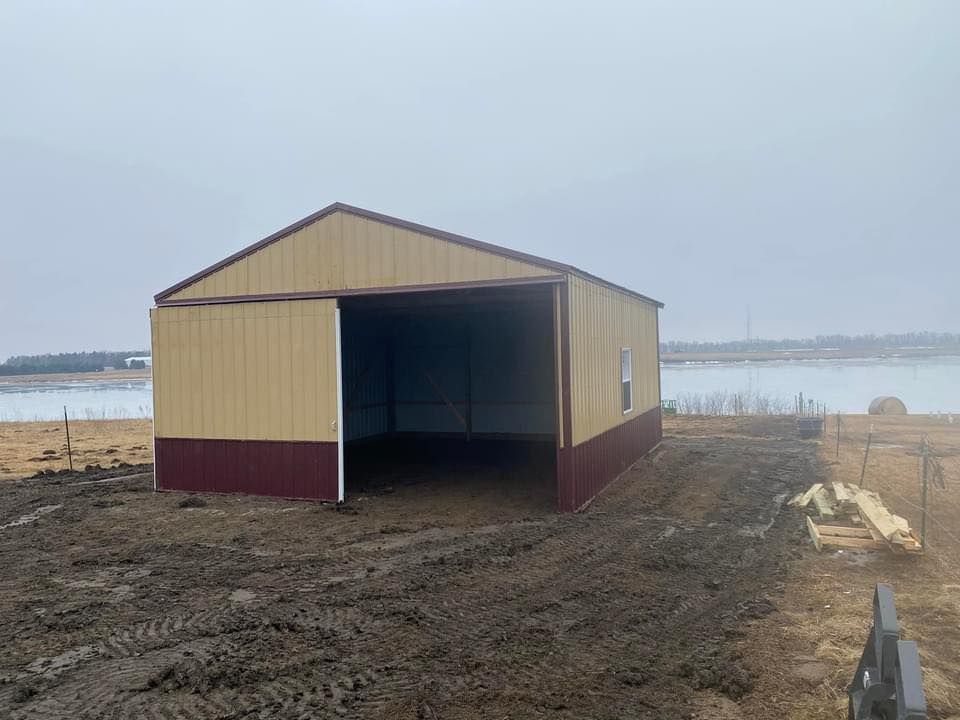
x=558, y=361
x=343, y=251
x=250, y=371
x=602, y=321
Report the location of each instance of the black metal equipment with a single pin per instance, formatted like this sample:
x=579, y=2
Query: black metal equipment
x=888, y=684
x=810, y=426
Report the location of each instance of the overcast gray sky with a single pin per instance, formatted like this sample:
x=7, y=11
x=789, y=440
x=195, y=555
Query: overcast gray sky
x=801, y=157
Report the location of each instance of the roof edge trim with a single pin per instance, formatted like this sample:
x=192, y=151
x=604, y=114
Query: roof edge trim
x=353, y=292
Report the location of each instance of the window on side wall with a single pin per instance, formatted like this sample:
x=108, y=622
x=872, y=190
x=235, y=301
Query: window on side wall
x=626, y=379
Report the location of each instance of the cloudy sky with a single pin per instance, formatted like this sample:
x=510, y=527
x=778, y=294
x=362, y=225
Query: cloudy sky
x=800, y=158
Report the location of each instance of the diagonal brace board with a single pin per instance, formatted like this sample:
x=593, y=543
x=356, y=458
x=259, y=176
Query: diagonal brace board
x=447, y=401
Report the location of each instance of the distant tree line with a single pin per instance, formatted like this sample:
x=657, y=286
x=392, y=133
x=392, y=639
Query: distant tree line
x=820, y=342
x=70, y=362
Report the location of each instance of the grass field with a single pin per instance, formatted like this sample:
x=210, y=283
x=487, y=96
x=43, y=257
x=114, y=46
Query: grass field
x=26, y=447
x=71, y=377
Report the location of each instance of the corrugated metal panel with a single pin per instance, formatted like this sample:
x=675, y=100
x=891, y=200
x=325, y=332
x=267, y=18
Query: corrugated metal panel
x=364, y=381
x=257, y=467
x=344, y=251
x=585, y=469
x=512, y=372
x=602, y=321
x=431, y=370
x=503, y=362
x=253, y=371
x=558, y=365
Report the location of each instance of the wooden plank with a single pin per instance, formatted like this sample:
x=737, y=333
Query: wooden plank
x=822, y=500
x=449, y=403
x=808, y=495
x=912, y=544
x=842, y=494
x=849, y=542
x=901, y=523
x=814, y=534
x=840, y=531
x=795, y=500
x=877, y=516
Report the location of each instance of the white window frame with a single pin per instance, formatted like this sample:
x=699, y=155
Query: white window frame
x=628, y=378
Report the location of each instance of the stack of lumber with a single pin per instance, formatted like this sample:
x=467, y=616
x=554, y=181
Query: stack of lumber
x=851, y=517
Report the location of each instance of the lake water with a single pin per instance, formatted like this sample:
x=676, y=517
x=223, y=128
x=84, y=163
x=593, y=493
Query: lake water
x=925, y=384
x=84, y=399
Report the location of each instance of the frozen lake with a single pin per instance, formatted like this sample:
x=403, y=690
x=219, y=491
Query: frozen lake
x=924, y=384
x=84, y=399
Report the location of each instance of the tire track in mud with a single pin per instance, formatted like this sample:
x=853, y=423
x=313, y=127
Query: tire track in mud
x=553, y=610
x=131, y=663
x=103, y=683
x=565, y=560
x=477, y=624
x=569, y=557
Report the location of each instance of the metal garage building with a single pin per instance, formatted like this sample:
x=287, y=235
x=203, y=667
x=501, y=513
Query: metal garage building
x=350, y=327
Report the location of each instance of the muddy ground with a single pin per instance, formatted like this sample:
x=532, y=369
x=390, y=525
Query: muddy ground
x=433, y=600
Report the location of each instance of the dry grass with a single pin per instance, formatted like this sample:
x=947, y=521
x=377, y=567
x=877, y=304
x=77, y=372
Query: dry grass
x=26, y=447
x=72, y=377
x=826, y=608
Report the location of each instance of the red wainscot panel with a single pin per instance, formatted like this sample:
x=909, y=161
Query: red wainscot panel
x=585, y=469
x=302, y=470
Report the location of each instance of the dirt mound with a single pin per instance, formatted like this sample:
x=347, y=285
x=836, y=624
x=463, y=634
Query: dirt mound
x=192, y=501
x=715, y=668
x=91, y=472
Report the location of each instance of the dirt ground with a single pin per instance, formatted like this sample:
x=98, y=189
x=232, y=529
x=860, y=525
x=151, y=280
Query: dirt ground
x=29, y=447
x=411, y=601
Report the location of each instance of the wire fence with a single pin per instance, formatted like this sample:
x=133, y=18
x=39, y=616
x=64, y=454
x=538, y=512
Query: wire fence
x=726, y=402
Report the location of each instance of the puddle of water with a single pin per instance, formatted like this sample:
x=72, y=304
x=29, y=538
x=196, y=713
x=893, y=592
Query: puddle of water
x=858, y=558
x=670, y=530
x=31, y=517
x=760, y=530
x=111, y=480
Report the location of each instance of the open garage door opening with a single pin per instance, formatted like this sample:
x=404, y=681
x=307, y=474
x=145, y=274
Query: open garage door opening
x=451, y=394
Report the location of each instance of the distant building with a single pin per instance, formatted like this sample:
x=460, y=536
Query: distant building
x=145, y=359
